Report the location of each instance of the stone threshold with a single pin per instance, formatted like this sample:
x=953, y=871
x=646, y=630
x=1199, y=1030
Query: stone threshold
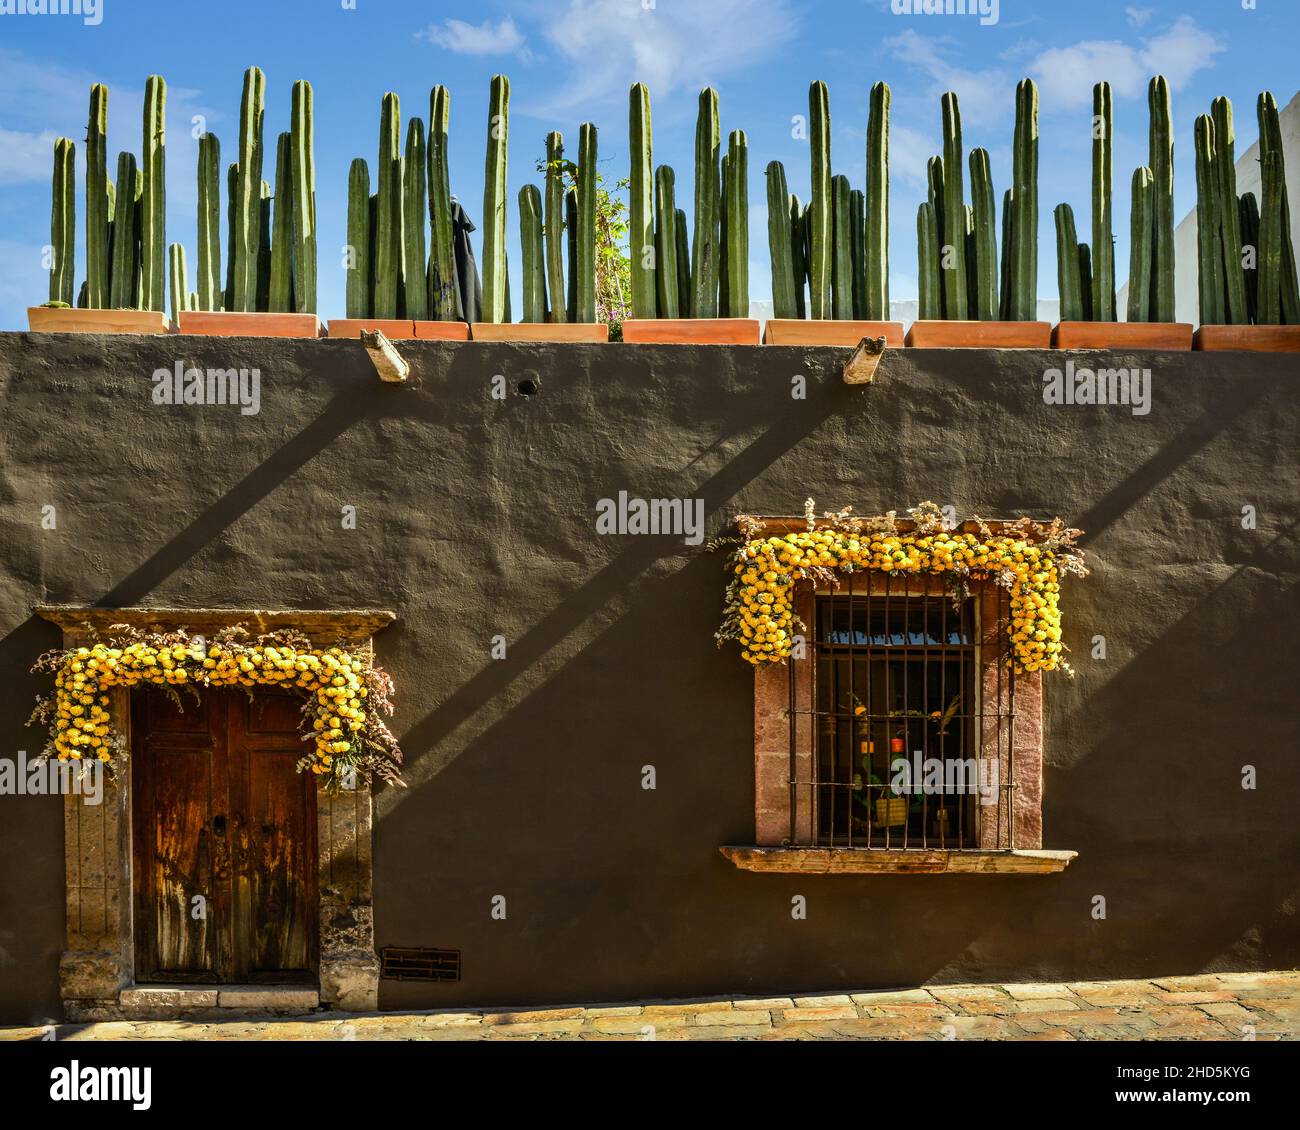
x=154, y=1001
x=896, y=861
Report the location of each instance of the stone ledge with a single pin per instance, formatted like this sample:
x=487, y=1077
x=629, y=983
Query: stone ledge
x=881, y=861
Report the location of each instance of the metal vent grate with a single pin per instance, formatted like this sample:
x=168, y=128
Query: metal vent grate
x=405, y=963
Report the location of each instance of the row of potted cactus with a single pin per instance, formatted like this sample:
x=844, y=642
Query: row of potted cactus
x=829, y=258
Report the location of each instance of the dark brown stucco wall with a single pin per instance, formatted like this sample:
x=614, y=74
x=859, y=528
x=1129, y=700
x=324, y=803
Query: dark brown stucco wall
x=476, y=519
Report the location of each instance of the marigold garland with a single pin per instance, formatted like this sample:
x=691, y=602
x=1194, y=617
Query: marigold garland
x=344, y=694
x=1027, y=558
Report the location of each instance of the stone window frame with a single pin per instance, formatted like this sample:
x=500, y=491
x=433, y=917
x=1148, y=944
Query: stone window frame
x=776, y=850
x=97, y=967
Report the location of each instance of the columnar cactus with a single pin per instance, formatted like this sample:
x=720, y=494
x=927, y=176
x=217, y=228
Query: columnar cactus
x=778, y=242
x=1067, y=265
x=1024, y=224
x=1270, y=142
x=280, y=294
x=358, y=250
x=708, y=175
x=555, y=225
x=248, y=197
x=442, y=247
x=984, y=269
x=641, y=204
x=1209, y=240
x=877, y=205
x=1248, y=210
x=125, y=237
x=209, y=223
x=153, y=234
x=99, y=213
x=737, y=208
x=724, y=295
x=180, y=295
x=841, y=250
x=586, y=269
x=1085, y=282
x=1162, y=220
x=263, y=300
x=302, y=133
x=858, y=250
x=530, y=238
x=1103, y=236
x=935, y=198
x=232, y=232
x=387, y=247
x=798, y=254
x=1272, y=212
x=1236, y=309
x=683, y=262
x=820, y=260
x=414, y=204
x=668, y=297
x=954, y=213
x=63, y=222
x=571, y=241
x=1004, y=273
x=495, y=289
x=1141, y=238
x=930, y=286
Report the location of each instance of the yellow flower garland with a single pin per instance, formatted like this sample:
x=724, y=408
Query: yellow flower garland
x=760, y=615
x=337, y=680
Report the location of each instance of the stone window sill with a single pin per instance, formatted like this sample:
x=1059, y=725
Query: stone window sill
x=876, y=861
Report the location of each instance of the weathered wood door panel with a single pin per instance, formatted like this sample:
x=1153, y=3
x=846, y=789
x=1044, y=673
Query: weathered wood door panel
x=220, y=812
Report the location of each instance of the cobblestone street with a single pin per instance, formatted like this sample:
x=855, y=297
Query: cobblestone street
x=1223, y=1006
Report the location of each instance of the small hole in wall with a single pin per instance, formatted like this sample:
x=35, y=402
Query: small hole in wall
x=528, y=387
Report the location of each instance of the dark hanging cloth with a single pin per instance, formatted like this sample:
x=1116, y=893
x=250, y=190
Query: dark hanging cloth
x=469, y=290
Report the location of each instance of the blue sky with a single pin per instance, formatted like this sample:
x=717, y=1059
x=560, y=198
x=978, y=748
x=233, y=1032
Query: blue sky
x=571, y=61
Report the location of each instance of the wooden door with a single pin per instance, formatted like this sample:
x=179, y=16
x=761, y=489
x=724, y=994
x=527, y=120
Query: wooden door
x=224, y=831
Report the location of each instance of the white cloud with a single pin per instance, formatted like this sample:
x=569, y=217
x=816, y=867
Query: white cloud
x=1139, y=17
x=1066, y=74
x=982, y=94
x=670, y=48
x=29, y=157
x=487, y=38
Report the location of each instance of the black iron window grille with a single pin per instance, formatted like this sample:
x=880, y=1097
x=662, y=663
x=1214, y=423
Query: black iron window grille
x=901, y=718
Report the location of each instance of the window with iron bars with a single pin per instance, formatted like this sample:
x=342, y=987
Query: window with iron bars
x=901, y=718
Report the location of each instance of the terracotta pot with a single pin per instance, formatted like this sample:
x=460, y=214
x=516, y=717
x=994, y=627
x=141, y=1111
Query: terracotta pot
x=229, y=323
x=805, y=331
x=57, y=320
x=393, y=328
x=1170, y=336
x=979, y=335
x=540, y=331
x=442, y=331
x=1250, y=339
x=692, y=331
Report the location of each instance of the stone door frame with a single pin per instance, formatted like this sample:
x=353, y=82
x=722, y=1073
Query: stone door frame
x=97, y=968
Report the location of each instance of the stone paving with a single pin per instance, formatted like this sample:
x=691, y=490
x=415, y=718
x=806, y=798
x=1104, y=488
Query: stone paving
x=1212, y=1006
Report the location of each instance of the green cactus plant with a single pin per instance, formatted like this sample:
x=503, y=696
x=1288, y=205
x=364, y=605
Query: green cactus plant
x=708, y=175
x=387, y=250
x=929, y=283
x=63, y=222
x=668, y=301
x=179, y=288
x=99, y=211
x=1270, y=310
x=495, y=288
x=798, y=256
x=530, y=237
x=877, y=205
x=723, y=293
x=1209, y=236
x=1248, y=210
x=414, y=205
x=358, y=252
x=586, y=267
x=641, y=187
x=442, y=247
x=153, y=164
x=737, y=210
x=1236, y=307
x=1067, y=265
x=555, y=212
x=822, y=205
x=1162, y=219
x=209, y=223
x=1023, y=281
x=125, y=239
x=935, y=198
x=1085, y=281
x=1102, y=290
x=232, y=233
x=858, y=250
x=248, y=199
x=841, y=250
x=302, y=133
x=1270, y=142
x=778, y=242
x=571, y=243
x=1141, y=237
x=263, y=301
x=280, y=293
x=955, y=290
x=683, y=263
x=984, y=269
